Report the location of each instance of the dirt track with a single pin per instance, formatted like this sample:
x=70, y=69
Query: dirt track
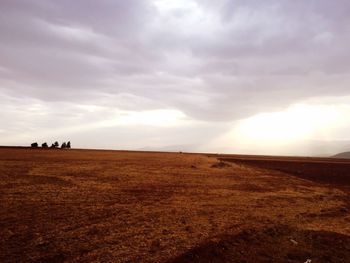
x=110, y=206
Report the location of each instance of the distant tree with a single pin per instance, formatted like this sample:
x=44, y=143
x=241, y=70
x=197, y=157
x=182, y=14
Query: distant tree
x=64, y=145
x=68, y=145
x=53, y=146
x=56, y=144
x=44, y=145
x=34, y=145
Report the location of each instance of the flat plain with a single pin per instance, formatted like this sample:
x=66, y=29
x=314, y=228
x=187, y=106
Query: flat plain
x=123, y=206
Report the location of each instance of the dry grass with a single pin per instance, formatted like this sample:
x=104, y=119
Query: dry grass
x=110, y=206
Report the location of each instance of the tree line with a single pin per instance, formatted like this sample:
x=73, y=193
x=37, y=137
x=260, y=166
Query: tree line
x=64, y=145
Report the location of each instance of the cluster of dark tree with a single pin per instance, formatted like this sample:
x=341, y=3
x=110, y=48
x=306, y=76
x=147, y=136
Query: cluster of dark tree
x=54, y=145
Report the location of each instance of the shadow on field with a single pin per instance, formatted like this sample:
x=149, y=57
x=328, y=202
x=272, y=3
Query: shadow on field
x=334, y=173
x=273, y=244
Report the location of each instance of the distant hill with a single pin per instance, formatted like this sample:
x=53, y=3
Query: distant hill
x=345, y=155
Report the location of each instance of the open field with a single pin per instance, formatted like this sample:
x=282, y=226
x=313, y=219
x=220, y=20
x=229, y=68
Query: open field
x=119, y=206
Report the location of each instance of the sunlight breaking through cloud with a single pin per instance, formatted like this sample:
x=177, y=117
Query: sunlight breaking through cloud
x=297, y=122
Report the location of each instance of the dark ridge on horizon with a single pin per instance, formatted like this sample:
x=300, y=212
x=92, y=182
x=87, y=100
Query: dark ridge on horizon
x=343, y=155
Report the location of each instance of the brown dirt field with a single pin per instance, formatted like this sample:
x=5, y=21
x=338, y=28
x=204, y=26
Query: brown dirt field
x=120, y=206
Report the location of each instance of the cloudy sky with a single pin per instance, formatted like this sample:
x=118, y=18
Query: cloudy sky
x=239, y=76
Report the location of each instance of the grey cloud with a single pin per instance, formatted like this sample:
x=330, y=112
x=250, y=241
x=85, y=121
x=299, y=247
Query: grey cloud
x=213, y=60
x=105, y=46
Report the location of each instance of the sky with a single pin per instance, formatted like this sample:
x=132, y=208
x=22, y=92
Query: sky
x=224, y=76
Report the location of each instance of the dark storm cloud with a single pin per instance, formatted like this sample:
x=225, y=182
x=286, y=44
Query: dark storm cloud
x=212, y=60
x=62, y=46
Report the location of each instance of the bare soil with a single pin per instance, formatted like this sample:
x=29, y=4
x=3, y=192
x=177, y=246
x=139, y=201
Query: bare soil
x=120, y=206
